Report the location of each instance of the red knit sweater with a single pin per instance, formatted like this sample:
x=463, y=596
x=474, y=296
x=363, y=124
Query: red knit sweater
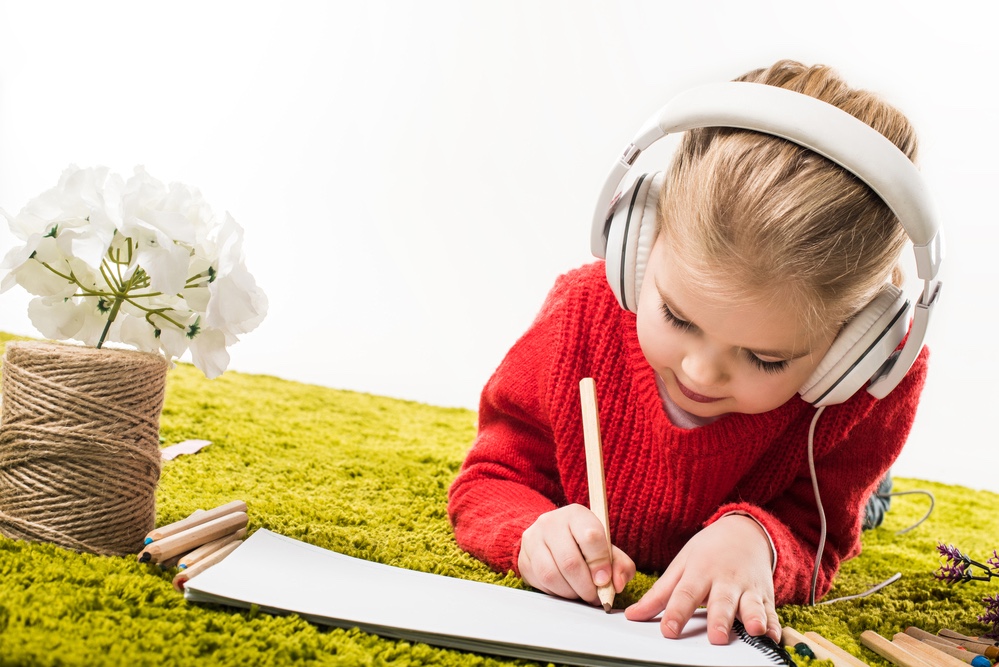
x=664, y=483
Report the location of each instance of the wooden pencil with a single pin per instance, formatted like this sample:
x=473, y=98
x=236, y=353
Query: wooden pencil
x=971, y=643
x=791, y=637
x=192, y=538
x=949, y=645
x=182, y=577
x=962, y=654
x=203, y=551
x=197, y=517
x=926, y=651
x=595, y=476
x=891, y=652
x=842, y=657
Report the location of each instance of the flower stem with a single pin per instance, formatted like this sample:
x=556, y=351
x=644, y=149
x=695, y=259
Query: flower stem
x=115, y=307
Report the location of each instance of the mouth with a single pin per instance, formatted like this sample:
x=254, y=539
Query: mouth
x=694, y=396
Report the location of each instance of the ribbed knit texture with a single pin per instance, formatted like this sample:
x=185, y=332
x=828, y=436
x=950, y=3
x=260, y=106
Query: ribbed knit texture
x=664, y=483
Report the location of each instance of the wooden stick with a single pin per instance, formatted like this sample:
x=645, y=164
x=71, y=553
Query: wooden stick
x=204, y=551
x=791, y=637
x=949, y=645
x=842, y=657
x=198, y=517
x=595, y=476
x=184, y=576
x=926, y=651
x=962, y=654
x=891, y=652
x=192, y=538
x=971, y=643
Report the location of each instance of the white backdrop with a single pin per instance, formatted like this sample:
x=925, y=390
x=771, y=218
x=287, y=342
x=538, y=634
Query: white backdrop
x=413, y=176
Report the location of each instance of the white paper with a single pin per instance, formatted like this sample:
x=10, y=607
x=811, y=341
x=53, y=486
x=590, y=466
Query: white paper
x=280, y=574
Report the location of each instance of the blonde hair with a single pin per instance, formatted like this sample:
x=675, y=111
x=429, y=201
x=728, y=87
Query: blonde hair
x=758, y=215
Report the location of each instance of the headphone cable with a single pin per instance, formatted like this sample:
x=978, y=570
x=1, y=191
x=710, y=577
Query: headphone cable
x=822, y=522
x=818, y=503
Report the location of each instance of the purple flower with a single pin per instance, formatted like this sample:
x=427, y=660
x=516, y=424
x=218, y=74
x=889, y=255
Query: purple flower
x=957, y=569
x=991, y=615
x=956, y=573
x=950, y=552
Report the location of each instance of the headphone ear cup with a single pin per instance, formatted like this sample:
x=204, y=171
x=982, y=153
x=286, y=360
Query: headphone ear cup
x=630, y=237
x=860, y=349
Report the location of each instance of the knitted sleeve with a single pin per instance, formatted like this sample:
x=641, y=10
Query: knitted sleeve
x=510, y=475
x=855, y=445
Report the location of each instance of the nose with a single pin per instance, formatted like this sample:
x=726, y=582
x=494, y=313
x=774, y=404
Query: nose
x=705, y=365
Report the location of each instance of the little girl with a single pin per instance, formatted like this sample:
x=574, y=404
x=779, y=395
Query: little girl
x=763, y=251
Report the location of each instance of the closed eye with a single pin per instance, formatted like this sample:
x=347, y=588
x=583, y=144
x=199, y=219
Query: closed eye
x=669, y=316
x=772, y=367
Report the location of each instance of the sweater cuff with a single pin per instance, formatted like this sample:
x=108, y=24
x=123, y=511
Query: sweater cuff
x=742, y=512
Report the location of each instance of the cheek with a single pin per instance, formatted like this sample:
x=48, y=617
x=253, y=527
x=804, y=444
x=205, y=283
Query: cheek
x=655, y=339
x=762, y=392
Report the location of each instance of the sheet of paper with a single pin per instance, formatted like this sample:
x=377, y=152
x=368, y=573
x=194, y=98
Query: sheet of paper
x=281, y=574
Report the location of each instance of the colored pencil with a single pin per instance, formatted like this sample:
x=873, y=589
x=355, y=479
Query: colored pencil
x=842, y=657
x=595, y=476
x=198, y=517
x=791, y=637
x=891, y=652
x=926, y=651
x=204, y=550
x=192, y=538
x=184, y=576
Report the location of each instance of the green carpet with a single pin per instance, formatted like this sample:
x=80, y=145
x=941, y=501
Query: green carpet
x=368, y=476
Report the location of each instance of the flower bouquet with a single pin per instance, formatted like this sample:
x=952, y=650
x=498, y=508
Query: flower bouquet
x=112, y=263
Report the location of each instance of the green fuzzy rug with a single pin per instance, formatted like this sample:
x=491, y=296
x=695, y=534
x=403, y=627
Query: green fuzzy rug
x=368, y=476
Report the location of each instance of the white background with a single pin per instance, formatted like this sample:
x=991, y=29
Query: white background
x=412, y=176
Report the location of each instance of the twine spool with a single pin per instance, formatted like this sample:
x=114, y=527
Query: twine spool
x=79, y=445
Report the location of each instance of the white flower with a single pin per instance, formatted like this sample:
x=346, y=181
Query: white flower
x=236, y=304
x=134, y=262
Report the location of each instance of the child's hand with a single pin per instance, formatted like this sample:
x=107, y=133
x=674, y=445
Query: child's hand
x=564, y=553
x=726, y=566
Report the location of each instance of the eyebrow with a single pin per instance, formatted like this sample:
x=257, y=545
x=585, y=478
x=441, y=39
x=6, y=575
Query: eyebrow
x=783, y=355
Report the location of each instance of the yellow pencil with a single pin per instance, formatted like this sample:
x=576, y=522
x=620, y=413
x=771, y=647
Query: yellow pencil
x=595, y=476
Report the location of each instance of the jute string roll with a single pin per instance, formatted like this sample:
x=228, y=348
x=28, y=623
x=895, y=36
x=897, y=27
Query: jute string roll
x=79, y=445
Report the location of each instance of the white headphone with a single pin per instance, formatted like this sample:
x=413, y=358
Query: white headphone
x=864, y=351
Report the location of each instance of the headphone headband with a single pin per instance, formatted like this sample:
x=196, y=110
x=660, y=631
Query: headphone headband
x=826, y=130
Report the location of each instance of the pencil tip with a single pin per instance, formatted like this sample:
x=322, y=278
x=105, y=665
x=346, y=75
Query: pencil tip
x=607, y=607
x=144, y=557
x=148, y=540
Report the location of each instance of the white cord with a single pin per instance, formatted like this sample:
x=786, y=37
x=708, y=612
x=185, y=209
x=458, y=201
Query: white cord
x=822, y=524
x=921, y=492
x=818, y=503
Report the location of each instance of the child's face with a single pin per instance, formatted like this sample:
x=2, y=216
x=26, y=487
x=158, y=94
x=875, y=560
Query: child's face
x=715, y=356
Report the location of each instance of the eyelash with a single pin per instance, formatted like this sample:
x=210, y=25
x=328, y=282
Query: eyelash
x=772, y=367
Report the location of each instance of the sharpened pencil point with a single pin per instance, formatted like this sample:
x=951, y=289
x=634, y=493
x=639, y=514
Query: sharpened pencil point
x=145, y=557
x=607, y=607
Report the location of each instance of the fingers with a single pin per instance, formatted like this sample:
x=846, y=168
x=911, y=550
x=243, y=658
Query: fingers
x=565, y=553
x=624, y=569
x=678, y=600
